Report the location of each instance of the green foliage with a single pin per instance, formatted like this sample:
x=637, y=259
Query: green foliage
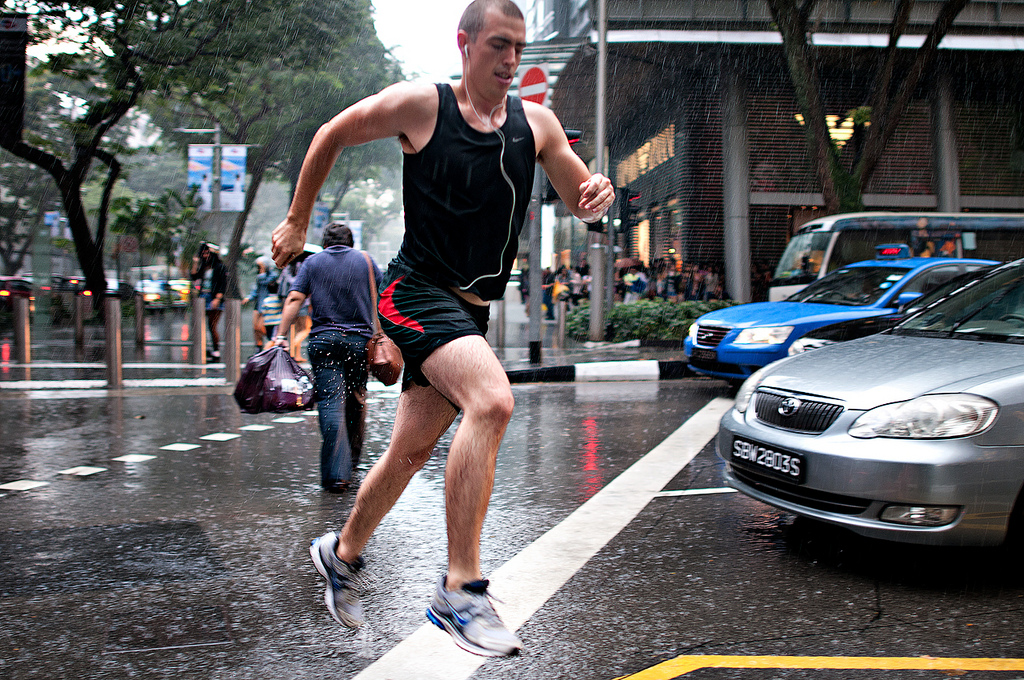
x=159, y=224
x=644, y=320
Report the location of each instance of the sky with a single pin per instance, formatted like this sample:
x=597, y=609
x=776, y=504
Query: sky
x=422, y=35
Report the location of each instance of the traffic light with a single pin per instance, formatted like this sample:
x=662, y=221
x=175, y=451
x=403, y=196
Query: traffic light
x=629, y=209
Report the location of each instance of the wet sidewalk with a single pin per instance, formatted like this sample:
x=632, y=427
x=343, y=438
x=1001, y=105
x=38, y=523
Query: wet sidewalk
x=164, y=359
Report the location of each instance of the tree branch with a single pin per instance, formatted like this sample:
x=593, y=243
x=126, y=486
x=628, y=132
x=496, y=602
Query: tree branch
x=889, y=116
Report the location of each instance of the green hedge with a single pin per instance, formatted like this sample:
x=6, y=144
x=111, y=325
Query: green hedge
x=644, y=320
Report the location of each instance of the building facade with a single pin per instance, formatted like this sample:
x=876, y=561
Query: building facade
x=703, y=121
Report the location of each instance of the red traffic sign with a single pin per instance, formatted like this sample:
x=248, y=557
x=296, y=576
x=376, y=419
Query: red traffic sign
x=533, y=86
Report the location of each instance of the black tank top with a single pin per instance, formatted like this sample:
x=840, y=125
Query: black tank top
x=466, y=194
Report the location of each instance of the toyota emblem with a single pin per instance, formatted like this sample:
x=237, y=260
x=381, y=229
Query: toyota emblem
x=789, y=406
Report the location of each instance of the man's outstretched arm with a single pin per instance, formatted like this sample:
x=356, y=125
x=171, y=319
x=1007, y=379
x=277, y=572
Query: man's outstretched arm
x=397, y=111
x=588, y=196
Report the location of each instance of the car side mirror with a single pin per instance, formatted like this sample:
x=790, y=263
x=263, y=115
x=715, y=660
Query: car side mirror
x=903, y=300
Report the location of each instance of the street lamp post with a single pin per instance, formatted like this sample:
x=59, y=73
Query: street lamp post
x=215, y=170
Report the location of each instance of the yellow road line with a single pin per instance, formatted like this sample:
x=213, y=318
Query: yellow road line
x=681, y=665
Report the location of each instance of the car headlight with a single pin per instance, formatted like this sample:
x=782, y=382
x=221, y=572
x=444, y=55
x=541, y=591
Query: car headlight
x=747, y=390
x=765, y=335
x=692, y=333
x=801, y=345
x=935, y=416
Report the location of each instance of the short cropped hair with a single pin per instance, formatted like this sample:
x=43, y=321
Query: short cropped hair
x=337, y=234
x=472, y=21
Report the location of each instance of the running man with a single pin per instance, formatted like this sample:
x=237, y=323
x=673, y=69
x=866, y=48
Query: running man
x=470, y=151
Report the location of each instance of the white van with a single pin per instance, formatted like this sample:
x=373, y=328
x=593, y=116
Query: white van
x=827, y=243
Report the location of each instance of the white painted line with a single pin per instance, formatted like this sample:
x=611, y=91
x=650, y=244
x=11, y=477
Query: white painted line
x=256, y=428
x=82, y=471
x=134, y=458
x=695, y=492
x=100, y=384
x=530, y=578
x=617, y=370
x=179, y=446
x=220, y=437
x=288, y=419
x=22, y=485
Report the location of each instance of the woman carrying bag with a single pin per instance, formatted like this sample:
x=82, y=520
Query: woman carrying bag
x=337, y=281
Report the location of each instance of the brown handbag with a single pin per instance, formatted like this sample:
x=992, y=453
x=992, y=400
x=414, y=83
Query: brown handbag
x=383, y=358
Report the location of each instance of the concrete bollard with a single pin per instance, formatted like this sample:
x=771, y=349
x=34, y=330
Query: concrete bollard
x=197, y=331
x=80, y=309
x=232, y=340
x=22, y=332
x=140, y=320
x=112, y=322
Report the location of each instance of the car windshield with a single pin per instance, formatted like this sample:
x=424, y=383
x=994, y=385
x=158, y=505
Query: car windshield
x=993, y=309
x=852, y=286
x=802, y=258
x=945, y=289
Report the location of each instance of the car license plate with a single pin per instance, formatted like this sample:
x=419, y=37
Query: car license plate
x=784, y=464
x=707, y=356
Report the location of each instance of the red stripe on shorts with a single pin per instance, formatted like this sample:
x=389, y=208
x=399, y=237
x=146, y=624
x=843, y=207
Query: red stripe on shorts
x=387, y=308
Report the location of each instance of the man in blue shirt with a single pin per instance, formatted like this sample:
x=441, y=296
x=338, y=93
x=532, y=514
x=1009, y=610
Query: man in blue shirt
x=337, y=282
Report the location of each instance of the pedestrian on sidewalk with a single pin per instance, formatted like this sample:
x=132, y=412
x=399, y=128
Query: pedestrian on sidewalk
x=256, y=295
x=210, y=280
x=301, y=323
x=470, y=151
x=270, y=309
x=337, y=281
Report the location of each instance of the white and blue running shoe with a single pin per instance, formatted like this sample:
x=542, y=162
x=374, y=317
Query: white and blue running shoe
x=468, y=616
x=343, y=582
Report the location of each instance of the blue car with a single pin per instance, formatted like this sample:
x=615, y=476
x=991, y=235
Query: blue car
x=734, y=342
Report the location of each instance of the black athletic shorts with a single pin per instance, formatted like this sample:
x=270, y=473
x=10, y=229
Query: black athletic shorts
x=420, y=316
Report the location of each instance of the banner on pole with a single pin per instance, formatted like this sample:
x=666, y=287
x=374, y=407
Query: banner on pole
x=232, y=178
x=13, y=41
x=200, y=172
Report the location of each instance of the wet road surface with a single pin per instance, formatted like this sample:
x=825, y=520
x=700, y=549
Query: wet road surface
x=194, y=563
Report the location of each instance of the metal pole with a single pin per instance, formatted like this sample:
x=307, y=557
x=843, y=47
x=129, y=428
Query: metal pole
x=197, y=331
x=79, y=302
x=559, y=341
x=215, y=194
x=597, y=260
x=232, y=340
x=500, y=330
x=536, y=282
x=140, y=319
x=599, y=283
x=112, y=312
x=22, y=331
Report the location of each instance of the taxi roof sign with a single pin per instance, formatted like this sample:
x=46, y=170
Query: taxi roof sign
x=892, y=251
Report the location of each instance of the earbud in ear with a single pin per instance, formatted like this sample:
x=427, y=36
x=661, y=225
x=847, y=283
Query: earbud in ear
x=465, y=51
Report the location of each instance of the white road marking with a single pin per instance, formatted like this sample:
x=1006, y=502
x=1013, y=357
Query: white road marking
x=288, y=419
x=530, y=578
x=102, y=383
x=256, y=428
x=695, y=492
x=82, y=471
x=134, y=458
x=220, y=436
x=179, y=446
x=22, y=485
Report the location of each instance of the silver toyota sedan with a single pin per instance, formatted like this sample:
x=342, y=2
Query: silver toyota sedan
x=915, y=434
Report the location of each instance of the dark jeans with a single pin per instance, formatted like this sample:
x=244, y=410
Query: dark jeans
x=339, y=378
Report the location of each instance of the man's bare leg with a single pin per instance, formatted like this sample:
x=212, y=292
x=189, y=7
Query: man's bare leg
x=423, y=416
x=467, y=372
